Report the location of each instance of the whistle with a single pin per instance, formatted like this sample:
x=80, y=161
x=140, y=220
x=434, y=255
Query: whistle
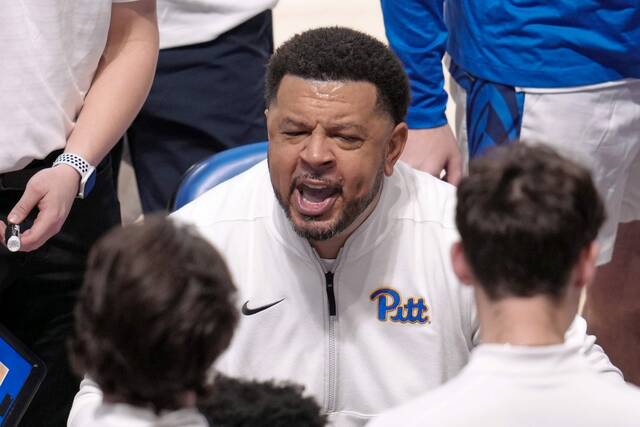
x=12, y=236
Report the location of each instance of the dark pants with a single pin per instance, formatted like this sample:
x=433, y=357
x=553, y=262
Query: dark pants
x=205, y=98
x=38, y=292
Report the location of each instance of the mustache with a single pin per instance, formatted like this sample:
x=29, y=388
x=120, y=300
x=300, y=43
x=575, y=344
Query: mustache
x=296, y=182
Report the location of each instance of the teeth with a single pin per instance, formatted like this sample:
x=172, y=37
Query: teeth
x=315, y=187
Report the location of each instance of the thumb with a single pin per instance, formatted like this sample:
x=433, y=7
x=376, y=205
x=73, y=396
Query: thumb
x=3, y=229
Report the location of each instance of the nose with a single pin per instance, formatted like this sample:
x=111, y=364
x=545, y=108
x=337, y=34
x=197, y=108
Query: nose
x=318, y=153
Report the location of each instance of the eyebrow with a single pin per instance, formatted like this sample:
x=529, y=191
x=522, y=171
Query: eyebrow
x=334, y=128
x=291, y=122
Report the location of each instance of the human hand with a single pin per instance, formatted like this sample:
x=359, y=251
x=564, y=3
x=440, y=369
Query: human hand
x=53, y=191
x=432, y=150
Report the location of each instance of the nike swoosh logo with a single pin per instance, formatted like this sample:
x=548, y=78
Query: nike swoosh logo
x=250, y=311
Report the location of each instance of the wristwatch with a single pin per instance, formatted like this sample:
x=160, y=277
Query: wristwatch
x=86, y=171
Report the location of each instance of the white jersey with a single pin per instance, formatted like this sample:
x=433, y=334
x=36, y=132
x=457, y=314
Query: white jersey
x=510, y=386
x=390, y=322
x=183, y=23
x=50, y=52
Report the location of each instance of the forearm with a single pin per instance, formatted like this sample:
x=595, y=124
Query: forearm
x=417, y=34
x=121, y=83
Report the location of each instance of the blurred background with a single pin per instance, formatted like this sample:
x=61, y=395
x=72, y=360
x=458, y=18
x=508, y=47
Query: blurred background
x=294, y=16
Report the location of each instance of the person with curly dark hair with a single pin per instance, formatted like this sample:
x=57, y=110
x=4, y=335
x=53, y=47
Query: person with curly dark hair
x=155, y=311
x=339, y=251
x=342, y=55
x=244, y=403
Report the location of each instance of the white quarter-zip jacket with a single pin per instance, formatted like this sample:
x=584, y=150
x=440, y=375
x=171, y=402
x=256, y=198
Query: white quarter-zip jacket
x=390, y=322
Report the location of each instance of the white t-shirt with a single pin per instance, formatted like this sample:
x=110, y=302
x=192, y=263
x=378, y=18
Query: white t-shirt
x=185, y=23
x=90, y=411
x=50, y=52
x=507, y=386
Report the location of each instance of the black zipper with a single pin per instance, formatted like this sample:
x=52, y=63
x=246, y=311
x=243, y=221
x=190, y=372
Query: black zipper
x=328, y=279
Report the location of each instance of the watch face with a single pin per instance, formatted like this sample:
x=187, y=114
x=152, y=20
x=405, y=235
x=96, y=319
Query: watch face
x=91, y=182
x=87, y=184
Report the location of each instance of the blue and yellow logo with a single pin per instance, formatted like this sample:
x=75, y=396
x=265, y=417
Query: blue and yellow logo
x=392, y=307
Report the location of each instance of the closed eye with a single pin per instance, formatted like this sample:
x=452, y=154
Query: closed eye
x=349, y=138
x=294, y=133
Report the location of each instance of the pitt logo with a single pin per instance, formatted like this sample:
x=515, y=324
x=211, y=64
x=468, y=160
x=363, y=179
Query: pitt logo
x=390, y=303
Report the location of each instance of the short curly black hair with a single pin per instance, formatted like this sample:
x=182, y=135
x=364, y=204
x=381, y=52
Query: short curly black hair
x=156, y=309
x=242, y=403
x=342, y=54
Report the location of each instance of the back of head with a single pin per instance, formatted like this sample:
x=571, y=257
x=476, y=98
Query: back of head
x=240, y=403
x=525, y=214
x=155, y=311
x=342, y=54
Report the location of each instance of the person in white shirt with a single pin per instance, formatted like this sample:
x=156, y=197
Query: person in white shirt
x=72, y=77
x=528, y=219
x=341, y=254
x=207, y=95
x=155, y=311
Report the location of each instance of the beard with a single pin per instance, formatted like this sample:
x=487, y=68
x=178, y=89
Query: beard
x=312, y=229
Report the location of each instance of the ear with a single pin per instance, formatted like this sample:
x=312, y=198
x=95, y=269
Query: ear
x=395, y=146
x=461, y=266
x=586, y=266
x=269, y=115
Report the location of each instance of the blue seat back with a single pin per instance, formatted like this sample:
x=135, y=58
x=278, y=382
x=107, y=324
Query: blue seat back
x=216, y=169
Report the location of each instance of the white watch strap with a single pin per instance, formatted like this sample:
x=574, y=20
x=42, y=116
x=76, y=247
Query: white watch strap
x=86, y=171
x=78, y=163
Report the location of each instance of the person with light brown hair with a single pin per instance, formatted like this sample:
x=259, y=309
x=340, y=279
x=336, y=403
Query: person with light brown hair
x=528, y=220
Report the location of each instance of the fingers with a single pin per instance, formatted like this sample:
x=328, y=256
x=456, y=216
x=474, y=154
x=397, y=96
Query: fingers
x=47, y=224
x=437, y=169
x=3, y=229
x=53, y=191
x=454, y=171
x=451, y=166
x=30, y=198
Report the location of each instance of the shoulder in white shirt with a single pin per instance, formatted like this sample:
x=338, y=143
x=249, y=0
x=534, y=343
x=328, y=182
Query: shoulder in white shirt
x=504, y=386
x=89, y=410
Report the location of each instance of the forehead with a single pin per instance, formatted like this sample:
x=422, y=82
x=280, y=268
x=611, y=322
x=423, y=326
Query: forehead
x=355, y=98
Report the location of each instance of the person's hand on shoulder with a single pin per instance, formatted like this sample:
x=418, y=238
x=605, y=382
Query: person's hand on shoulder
x=434, y=150
x=53, y=191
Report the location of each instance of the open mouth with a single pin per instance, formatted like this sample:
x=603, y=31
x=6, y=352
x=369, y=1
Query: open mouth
x=315, y=199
